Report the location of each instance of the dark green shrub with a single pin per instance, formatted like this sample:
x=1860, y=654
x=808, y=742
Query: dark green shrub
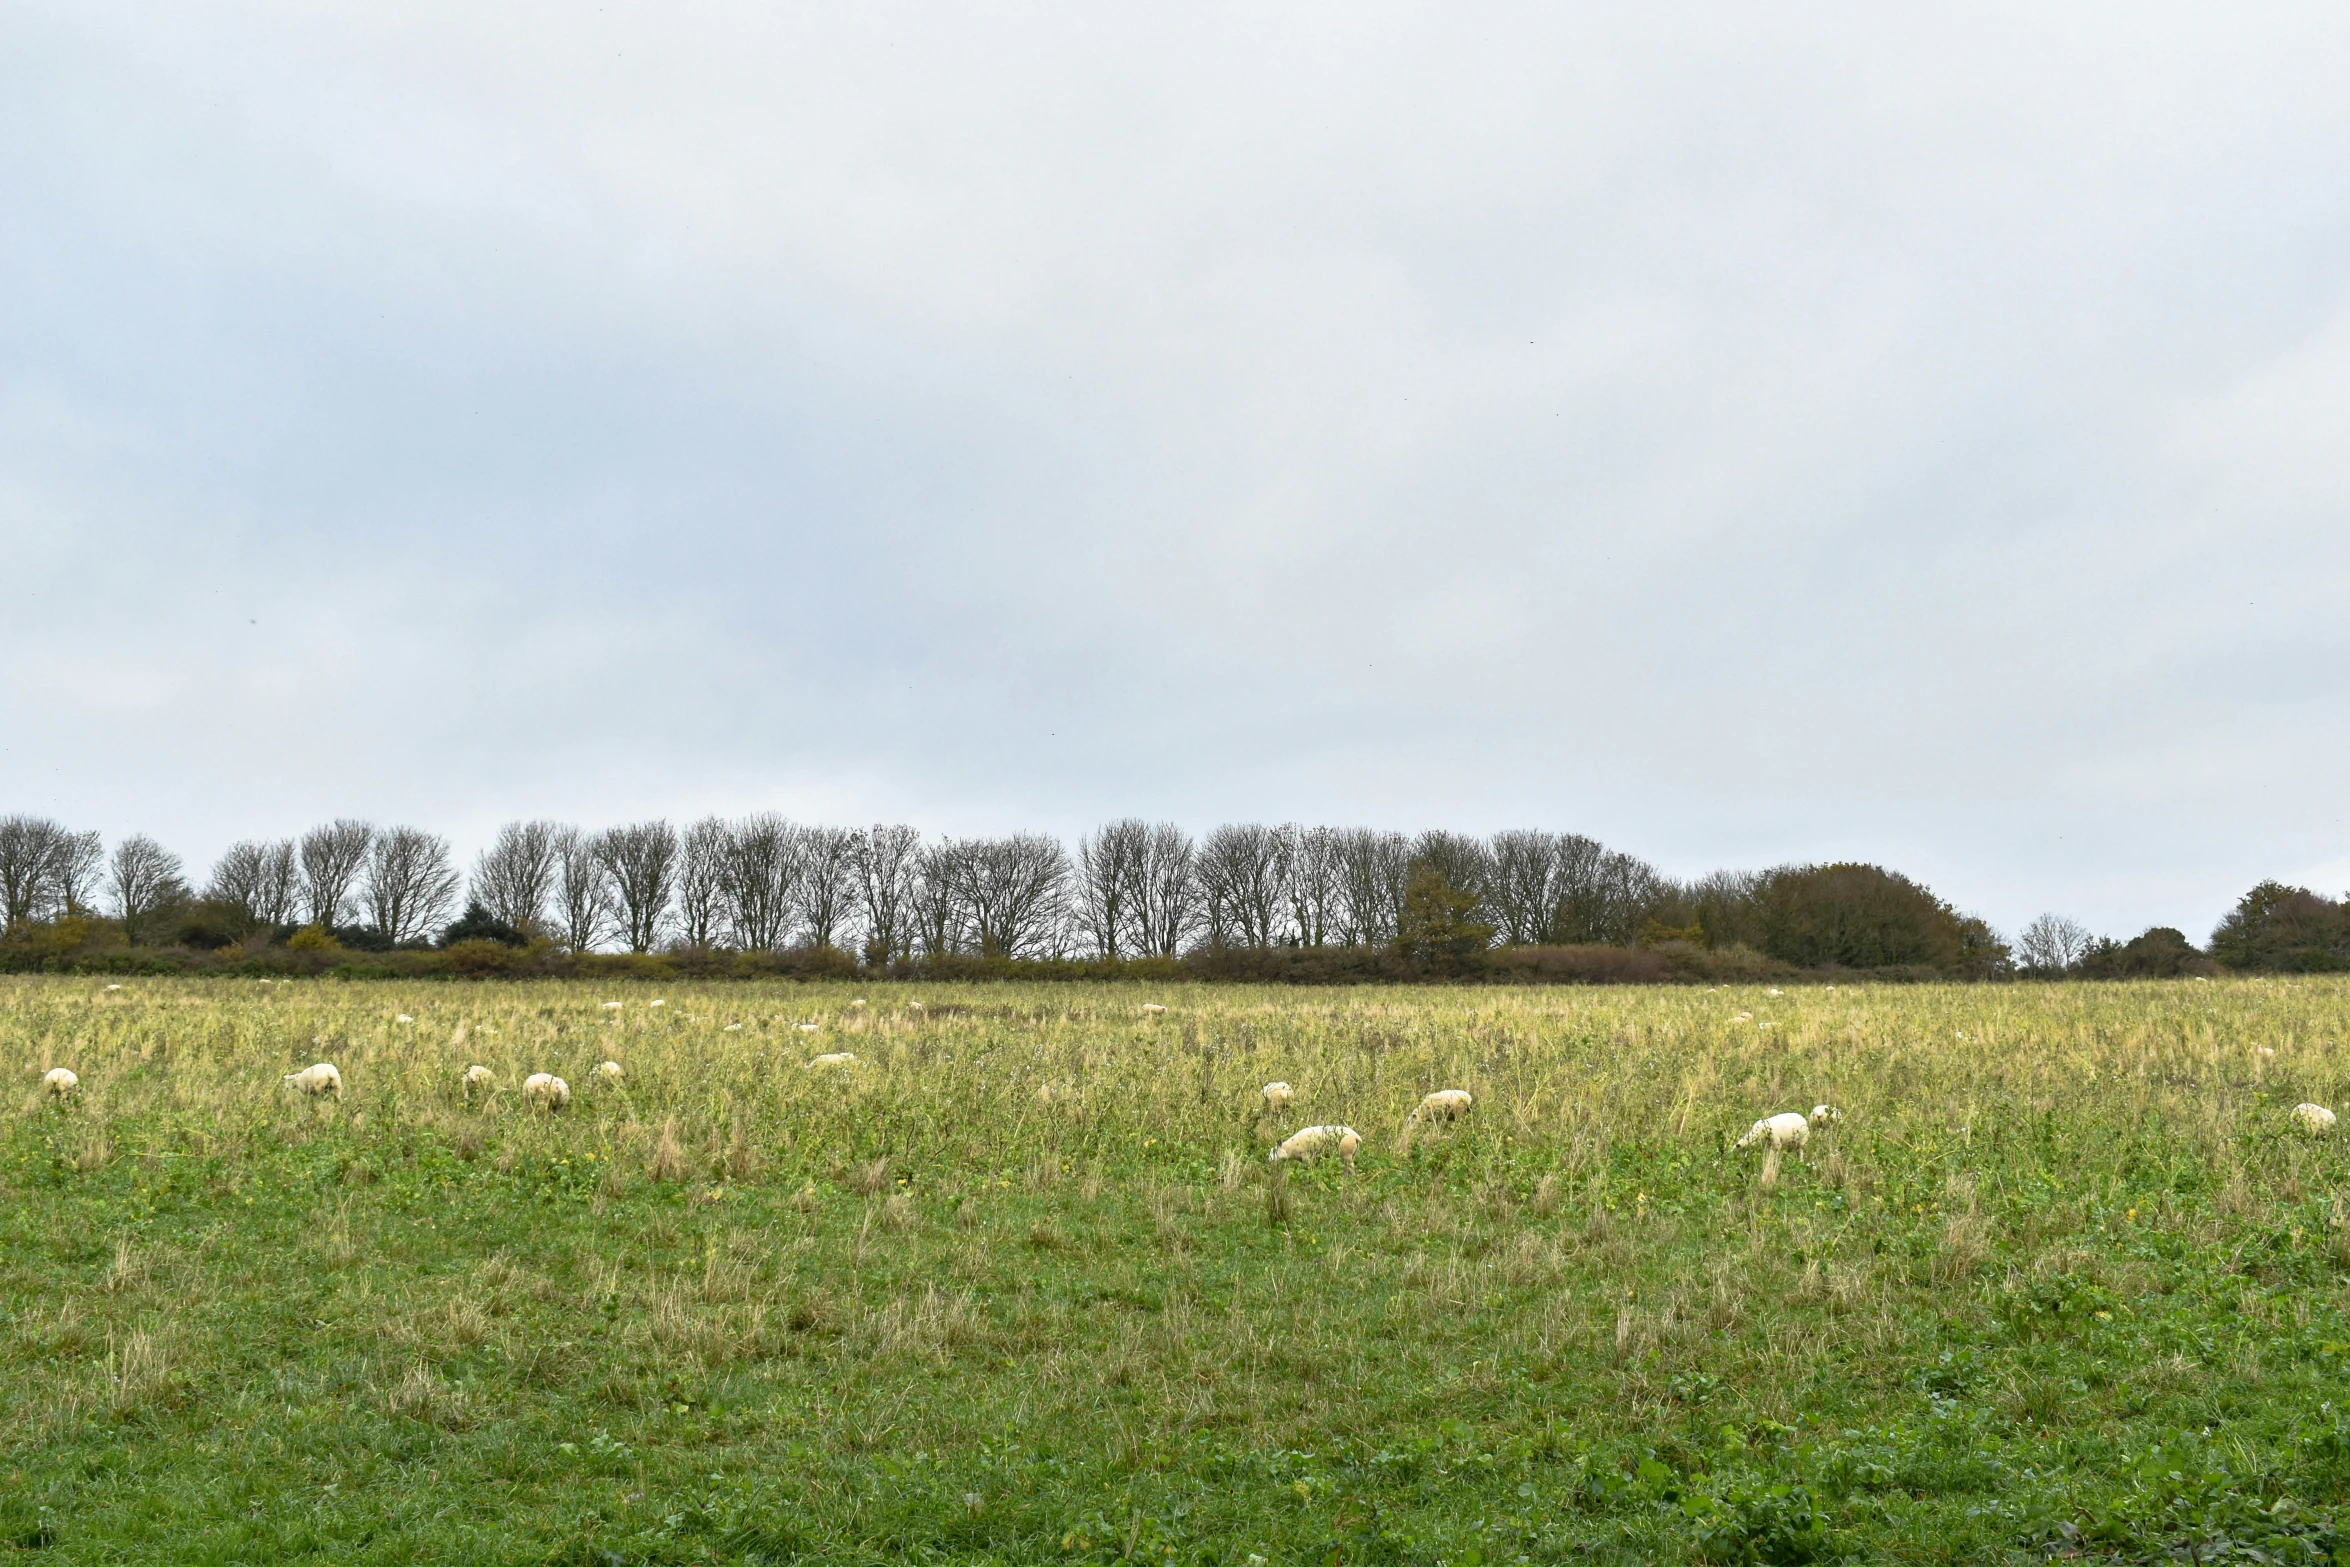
x=2276, y=928
x=479, y=924
x=208, y=924
x=2159, y=953
x=1437, y=931
x=1855, y=916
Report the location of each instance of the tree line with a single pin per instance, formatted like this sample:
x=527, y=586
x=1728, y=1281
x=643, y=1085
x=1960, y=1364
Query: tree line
x=1132, y=889
x=764, y=883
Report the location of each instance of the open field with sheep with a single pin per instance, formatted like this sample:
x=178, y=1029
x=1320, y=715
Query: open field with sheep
x=1011, y=1279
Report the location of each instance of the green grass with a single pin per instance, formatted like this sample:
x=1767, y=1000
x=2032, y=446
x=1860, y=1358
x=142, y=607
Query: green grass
x=1020, y=1287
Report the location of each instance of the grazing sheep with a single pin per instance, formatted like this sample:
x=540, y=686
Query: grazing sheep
x=480, y=1079
x=611, y=1006
x=1315, y=1141
x=59, y=1082
x=837, y=1058
x=1152, y=1006
x=1446, y=1104
x=546, y=1089
x=1789, y=1129
x=610, y=1069
x=2314, y=1118
x=319, y=1078
x=403, y=1018
x=1277, y=1098
x=656, y=1002
x=860, y=1001
x=1825, y=1115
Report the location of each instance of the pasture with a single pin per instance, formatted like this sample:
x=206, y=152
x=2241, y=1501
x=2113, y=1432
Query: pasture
x=1018, y=1285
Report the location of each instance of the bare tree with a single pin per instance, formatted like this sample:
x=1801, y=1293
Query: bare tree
x=1375, y=868
x=1317, y=885
x=1522, y=892
x=410, y=883
x=1109, y=882
x=1014, y=890
x=1603, y=896
x=146, y=881
x=941, y=919
x=1166, y=901
x=281, y=886
x=1626, y=889
x=828, y=881
x=583, y=890
x=701, y=881
x=885, y=890
x=1244, y=872
x=762, y=881
x=81, y=860
x=257, y=879
x=1461, y=860
x=331, y=860
x=236, y=878
x=2052, y=944
x=514, y=877
x=642, y=860
x=30, y=847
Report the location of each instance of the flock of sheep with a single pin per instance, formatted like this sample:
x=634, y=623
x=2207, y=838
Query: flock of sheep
x=543, y=1089
x=1776, y=1133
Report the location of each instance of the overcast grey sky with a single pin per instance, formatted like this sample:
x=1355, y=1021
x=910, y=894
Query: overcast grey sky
x=1742, y=434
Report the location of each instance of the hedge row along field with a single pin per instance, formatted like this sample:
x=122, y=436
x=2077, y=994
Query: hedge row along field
x=1018, y=1285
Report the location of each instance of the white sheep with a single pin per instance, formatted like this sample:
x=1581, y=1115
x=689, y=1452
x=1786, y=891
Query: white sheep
x=547, y=1089
x=320, y=1077
x=60, y=1082
x=837, y=1058
x=1825, y=1115
x=480, y=1079
x=810, y=1028
x=610, y=1070
x=611, y=1006
x=1314, y=1141
x=1152, y=1006
x=1789, y=1129
x=1277, y=1097
x=860, y=1001
x=1446, y=1104
x=2316, y=1119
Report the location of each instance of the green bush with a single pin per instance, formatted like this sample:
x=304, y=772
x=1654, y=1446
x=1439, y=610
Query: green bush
x=2159, y=953
x=2275, y=928
x=1855, y=916
x=479, y=924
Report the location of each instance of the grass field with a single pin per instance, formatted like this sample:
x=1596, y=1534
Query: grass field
x=1019, y=1285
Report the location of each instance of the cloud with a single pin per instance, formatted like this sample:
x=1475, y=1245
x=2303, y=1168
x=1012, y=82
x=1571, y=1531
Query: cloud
x=1743, y=436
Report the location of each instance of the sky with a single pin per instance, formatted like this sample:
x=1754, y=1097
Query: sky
x=1744, y=435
